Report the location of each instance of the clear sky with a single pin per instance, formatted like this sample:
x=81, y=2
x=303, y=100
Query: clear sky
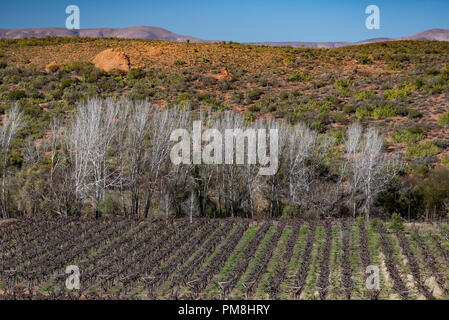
x=238, y=20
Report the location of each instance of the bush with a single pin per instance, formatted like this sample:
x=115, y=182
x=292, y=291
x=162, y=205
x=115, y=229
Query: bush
x=374, y=223
x=254, y=108
x=411, y=135
x=425, y=149
x=365, y=60
x=396, y=222
x=339, y=117
x=445, y=161
x=184, y=97
x=397, y=93
x=80, y=67
x=300, y=77
x=396, y=66
x=289, y=211
x=363, y=112
x=413, y=114
x=205, y=60
x=343, y=83
x=15, y=95
x=135, y=74
x=385, y=112
x=444, y=120
x=249, y=117
x=433, y=71
x=110, y=205
x=433, y=189
x=349, y=109
x=363, y=95
x=254, y=95
x=179, y=63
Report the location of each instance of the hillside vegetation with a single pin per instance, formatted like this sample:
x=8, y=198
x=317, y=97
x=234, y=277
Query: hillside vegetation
x=400, y=88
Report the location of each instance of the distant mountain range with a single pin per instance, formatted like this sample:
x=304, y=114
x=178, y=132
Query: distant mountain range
x=433, y=34
x=140, y=32
x=146, y=32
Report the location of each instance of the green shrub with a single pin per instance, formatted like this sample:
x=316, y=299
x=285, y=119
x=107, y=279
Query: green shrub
x=66, y=83
x=363, y=112
x=135, y=74
x=444, y=120
x=385, y=112
x=343, y=86
x=15, y=95
x=365, y=60
x=205, y=60
x=411, y=135
x=363, y=95
x=318, y=126
x=445, y=161
x=396, y=93
x=424, y=149
x=80, y=67
x=249, y=117
x=207, y=98
x=179, y=63
x=395, y=66
x=289, y=211
x=433, y=85
x=343, y=83
x=254, y=95
x=374, y=223
x=109, y=206
x=254, y=108
x=349, y=109
x=433, y=71
x=300, y=77
x=184, y=97
x=396, y=222
x=290, y=60
x=413, y=114
x=339, y=117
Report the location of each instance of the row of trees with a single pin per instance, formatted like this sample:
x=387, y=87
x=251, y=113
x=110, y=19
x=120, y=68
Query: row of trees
x=113, y=157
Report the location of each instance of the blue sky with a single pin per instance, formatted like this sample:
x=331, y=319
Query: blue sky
x=239, y=20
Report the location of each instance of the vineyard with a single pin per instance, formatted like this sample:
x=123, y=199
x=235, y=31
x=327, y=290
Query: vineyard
x=121, y=258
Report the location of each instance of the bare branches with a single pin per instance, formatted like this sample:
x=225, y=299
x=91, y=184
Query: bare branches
x=368, y=168
x=11, y=124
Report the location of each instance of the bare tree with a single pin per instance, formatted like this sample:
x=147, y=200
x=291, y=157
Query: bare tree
x=371, y=170
x=88, y=142
x=162, y=125
x=11, y=124
x=136, y=146
x=273, y=188
x=308, y=150
x=353, y=163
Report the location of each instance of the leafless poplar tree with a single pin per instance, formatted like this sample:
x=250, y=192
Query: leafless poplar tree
x=88, y=142
x=11, y=124
x=371, y=170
